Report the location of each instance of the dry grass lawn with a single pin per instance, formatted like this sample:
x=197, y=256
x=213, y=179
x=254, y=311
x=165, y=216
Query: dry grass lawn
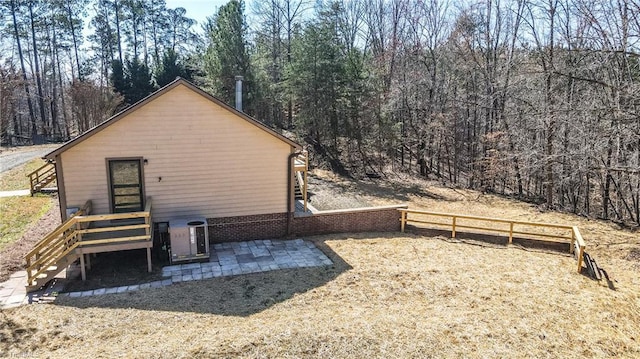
x=17, y=213
x=16, y=178
x=387, y=295
x=23, y=220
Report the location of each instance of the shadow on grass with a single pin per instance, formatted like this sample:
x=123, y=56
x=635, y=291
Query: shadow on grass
x=13, y=332
x=482, y=239
x=395, y=191
x=240, y=295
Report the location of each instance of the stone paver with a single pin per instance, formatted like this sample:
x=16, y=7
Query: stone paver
x=13, y=292
x=250, y=257
x=108, y=291
x=226, y=259
x=100, y=291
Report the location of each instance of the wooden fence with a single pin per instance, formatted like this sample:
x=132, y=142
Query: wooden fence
x=540, y=231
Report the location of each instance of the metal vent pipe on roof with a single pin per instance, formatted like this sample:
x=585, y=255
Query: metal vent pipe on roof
x=239, y=93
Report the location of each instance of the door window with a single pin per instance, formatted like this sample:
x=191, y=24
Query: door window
x=125, y=178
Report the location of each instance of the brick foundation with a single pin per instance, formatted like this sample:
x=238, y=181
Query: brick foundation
x=267, y=226
x=243, y=228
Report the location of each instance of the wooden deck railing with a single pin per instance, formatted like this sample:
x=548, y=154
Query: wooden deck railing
x=541, y=231
x=301, y=167
x=41, y=177
x=65, y=239
x=55, y=245
x=301, y=161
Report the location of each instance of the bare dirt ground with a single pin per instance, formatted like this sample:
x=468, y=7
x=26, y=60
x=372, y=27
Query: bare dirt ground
x=387, y=295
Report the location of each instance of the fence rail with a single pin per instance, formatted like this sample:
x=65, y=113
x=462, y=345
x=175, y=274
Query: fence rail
x=541, y=231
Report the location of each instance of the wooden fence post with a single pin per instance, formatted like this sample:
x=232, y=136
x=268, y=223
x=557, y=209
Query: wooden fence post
x=511, y=233
x=403, y=219
x=572, y=247
x=453, y=227
x=580, y=259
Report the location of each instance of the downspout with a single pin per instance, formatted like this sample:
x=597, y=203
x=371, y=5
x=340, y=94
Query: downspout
x=62, y=193
x=290, y=189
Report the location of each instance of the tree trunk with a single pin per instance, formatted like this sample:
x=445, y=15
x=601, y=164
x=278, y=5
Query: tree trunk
x=74, y=38
x=117, y=11
x=55, y=130
x=37, y=64
x=32, y=116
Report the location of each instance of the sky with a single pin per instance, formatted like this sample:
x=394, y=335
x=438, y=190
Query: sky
x=198, y=10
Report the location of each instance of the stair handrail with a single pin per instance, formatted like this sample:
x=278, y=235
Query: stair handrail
x=66, y=225
x=300, y=180
x=34, y=177
x=42, y=264
x=61, y=236
x=301, y=175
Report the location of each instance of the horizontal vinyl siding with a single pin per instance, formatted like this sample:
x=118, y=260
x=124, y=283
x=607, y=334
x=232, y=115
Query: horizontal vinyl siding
x=212, y=163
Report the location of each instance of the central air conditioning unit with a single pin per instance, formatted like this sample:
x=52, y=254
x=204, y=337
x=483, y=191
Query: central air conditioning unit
x=189, y=238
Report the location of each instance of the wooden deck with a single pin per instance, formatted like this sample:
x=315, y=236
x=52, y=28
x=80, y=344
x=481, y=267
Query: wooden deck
x=84, y=234
x=113, y=241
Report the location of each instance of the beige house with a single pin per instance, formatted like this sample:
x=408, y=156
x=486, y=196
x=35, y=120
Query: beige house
x=176, y=156
x=193, y=155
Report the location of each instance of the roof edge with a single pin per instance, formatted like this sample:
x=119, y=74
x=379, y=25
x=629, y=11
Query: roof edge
x=178, y=81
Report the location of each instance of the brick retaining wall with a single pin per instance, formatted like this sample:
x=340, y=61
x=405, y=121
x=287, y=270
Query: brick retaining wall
x=370, y=219
x=266, y=226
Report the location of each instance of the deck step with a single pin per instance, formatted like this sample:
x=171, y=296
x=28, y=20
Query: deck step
x=38, y=183
x=42, y=279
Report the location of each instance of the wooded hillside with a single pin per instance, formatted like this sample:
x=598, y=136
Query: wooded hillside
x=536, y=99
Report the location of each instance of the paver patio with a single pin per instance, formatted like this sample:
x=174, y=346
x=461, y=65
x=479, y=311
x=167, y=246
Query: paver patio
x=226, y=259
x=250, y=257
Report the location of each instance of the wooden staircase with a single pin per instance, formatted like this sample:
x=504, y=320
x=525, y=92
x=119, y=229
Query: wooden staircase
x=298, y=187
x=84, y=234
x=301, y=167
x=42, y=279
x=41, y=177
x=55, y=252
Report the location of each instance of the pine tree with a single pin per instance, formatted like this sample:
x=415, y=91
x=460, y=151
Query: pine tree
x=118, y=81
x=227, y=54
x=138, y=78
x=170, y=68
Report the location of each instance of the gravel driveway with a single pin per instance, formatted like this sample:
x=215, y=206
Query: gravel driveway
x=17, y=156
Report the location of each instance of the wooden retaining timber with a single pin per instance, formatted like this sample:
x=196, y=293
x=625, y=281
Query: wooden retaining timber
x=83, y=234
x=540, y=231
x=41, y=177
